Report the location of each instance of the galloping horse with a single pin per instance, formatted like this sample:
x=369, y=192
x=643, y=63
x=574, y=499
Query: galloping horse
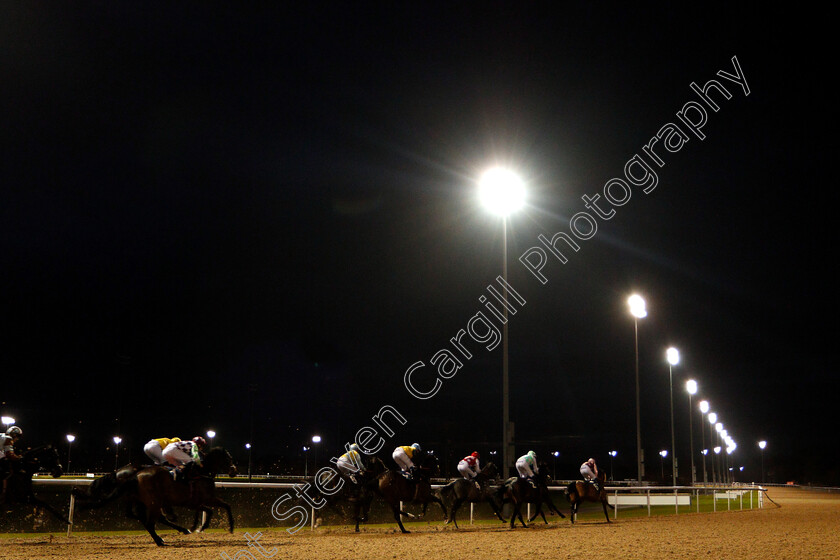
x=152, y=492
x=519, y=491
x=465, y=491
x=580, y=491
x=395, y=488
x=359, y=494
x=19, y=489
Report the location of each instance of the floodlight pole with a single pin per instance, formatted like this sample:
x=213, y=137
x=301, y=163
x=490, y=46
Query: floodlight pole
x=638, y=415
x=673, y=449
x=506, y=443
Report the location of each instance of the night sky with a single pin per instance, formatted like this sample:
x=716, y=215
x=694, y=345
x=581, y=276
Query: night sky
x=256, y=220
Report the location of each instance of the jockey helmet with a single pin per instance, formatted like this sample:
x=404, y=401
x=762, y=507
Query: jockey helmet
x=199, y=441
x=532, y=454
x=416, y=447
x=475, y=454
x=14, y=431
x=354, y=447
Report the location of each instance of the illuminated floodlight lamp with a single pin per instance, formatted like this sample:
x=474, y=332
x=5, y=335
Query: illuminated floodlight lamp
x=741, y=469
x=673, y=356
x=501, y=191
x=637, y=306
x=316, y=439
x=71, y=438
x=704, y=407
x=719, y=427
x=691, y=387
x=7, y=420
x=117, y=440
x=712, y=418
x=717, y=449
x=211, y=434
x=247, y=446
x=663, y=453
x=613, y=453
x=705, y=452
x=762, y=444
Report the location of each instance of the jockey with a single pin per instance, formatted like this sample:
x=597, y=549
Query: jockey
x=7, y=455
x=403, y=456
x=180, y=454
x=527, y=467
x=154, y=449
x=589, y=471
x=351, y=464
x=469, y=467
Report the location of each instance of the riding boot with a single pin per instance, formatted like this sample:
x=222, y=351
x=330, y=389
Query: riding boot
x=597, y=485
x=412, y=474
x=477, y=485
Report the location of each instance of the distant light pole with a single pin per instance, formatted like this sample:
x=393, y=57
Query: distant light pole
x=612, y=456
x=211, y=434
x=306, y=461
x=673, y=356
x=704, y=408
x=70, y=439
x=662, y=455
x=502, y=192
x=638, y=310
x=761, y=445
x=691, y=388
x=117, y=441
x=712, y=417
x=721, y=471
x=315, y=441
x=248, y=447
x=720, y=475
x=556, y=454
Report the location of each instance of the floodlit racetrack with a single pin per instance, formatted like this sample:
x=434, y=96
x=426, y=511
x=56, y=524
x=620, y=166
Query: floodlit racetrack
x=806, y=526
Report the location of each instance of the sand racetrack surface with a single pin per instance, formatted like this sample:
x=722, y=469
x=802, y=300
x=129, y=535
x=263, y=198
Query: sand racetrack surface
x=806, y=526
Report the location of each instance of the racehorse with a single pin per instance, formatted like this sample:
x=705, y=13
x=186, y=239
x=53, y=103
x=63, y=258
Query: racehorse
x=581, y=491
x=359, y=494
x=152, y=492
x=519, y=491
x=19, y=488
x=395, y=488
x=463, y=490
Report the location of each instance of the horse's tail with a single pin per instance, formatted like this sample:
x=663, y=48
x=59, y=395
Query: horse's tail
x=108, y=490
x=570, y=488
x=445, y=491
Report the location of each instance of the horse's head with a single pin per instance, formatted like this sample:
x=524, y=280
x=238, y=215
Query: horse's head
x=218, y=460
x=490, y=471
x=44, y=458
x=430, y=464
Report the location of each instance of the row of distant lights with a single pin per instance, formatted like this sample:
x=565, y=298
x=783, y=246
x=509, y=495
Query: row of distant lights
x=639, y=310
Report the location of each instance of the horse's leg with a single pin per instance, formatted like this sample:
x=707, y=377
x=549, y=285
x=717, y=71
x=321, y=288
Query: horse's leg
x=44, y=505
x=196, y=520
x=495, y=507
x=178, y=528
x=604, y=504
x=453, y=509
x=398, y=517
x=437, y=500
x=149, y=524
x=553, y=508
x=207, y=518
x=573, y=509
x=215, y=502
